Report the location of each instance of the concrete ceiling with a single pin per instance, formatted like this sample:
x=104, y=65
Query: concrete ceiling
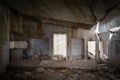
x=76, y=11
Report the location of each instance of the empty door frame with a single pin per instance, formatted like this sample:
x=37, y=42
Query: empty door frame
x=60, y=44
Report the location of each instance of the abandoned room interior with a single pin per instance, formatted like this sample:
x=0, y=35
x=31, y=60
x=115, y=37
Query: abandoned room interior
x=59, y=39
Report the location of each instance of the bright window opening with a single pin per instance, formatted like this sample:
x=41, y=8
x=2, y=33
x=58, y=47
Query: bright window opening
x=60, y=45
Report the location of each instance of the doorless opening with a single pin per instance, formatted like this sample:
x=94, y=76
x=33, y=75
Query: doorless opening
x=60, y=46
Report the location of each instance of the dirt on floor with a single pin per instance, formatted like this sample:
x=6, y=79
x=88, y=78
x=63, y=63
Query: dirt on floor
x=101, y=73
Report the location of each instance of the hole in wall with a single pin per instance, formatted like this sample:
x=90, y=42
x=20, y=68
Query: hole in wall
x=59, y=46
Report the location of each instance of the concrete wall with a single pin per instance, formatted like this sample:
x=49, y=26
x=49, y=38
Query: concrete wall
x=113, y=20
x=49, y=30
x=23, y=29
x=16, y=27
x=111, y=47
x=77, y=49
x=40, y=46
x=4, y=37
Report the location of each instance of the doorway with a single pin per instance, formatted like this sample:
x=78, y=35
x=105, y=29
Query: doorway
x=59, y=46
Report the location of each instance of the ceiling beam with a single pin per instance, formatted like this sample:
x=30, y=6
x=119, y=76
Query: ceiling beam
x=63, y=23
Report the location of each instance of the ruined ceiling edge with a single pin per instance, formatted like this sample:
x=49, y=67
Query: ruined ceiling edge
x=50, y=20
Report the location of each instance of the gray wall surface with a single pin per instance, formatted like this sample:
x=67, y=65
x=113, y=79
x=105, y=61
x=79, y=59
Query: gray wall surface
x=111, y=46
x=4, y=37
x=39, y=46
x=49, y=30
x=77, y=49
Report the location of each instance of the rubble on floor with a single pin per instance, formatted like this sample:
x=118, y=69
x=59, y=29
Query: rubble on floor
x=72, y=64
x=101, y=73
x=41, y=57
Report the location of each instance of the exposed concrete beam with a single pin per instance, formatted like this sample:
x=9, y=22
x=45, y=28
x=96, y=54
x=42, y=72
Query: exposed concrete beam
x=65, y=23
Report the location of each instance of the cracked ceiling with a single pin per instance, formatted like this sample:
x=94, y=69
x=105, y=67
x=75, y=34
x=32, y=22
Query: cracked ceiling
x=65, y=12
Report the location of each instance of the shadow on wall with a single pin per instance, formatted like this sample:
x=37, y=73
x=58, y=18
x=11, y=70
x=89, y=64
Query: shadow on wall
x=112, y=47
x=38, y=49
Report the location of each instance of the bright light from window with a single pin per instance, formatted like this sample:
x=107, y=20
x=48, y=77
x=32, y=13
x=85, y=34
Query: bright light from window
x=60, y=44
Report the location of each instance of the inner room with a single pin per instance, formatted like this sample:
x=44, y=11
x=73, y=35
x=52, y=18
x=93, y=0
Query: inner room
x=59, y=39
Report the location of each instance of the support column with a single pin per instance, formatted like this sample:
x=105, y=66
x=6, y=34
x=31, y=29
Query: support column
x=97, y=52
x=4, y=38
x=86, y=50
x=101, y=48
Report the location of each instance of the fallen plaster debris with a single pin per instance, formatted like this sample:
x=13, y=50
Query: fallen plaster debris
x=102, y=72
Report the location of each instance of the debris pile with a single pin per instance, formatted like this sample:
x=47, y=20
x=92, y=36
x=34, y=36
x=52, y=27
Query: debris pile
x=101, y=73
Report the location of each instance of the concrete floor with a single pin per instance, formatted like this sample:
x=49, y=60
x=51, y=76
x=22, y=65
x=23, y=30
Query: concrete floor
x=58, y=70
x=74, y=64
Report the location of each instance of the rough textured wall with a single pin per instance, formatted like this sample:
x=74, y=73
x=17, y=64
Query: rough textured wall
x=112, y=20
x=49, y=30
x=39, y=47
x=32, y=29
x=16, y=27
x=77, y=49
x=111, y=45
x=4, y=37
x=24, y=29
x=80, y=33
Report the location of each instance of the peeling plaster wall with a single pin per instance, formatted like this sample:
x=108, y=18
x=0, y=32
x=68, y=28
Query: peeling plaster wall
x=22, y=29
x=111, y=46
x=112, y=20
x=49, y=30
x=25, y=29
x=40, y=47
x=80, y=33
x=4, y=37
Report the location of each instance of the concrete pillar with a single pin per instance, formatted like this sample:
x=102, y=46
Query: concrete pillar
x=69, y=35
x=86, y=50
x=97, y=51
x=4, y=38
x=101, y=48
